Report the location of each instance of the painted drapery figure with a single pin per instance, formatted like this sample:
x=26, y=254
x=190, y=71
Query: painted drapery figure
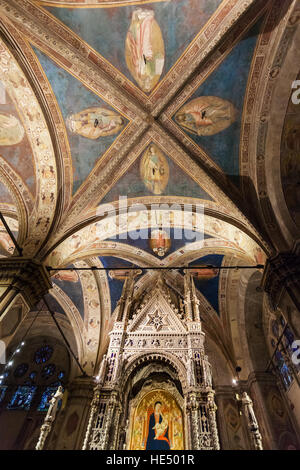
x=207, y=115
x=144, y=49
x=158, y=427
x=156, y=423
x=160, y=242
x=154, y=170
x=93, y=123
x=11, y=130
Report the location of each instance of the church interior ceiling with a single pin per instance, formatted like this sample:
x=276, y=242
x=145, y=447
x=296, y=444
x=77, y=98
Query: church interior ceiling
x=105, y=99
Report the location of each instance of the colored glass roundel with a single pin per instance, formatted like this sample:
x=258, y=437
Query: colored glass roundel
x=43, y=354
x=48, y=371
x=21, y=370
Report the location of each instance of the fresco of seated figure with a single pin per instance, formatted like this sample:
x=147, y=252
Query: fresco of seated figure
x=154, y=170
x=207, y=115
x=93, y=123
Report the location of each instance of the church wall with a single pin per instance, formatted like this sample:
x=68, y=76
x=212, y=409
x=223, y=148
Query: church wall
x=70, y=427
x=34, y=374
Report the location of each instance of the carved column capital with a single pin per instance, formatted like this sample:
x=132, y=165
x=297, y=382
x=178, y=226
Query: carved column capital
x=283, y=272
x=26, y=276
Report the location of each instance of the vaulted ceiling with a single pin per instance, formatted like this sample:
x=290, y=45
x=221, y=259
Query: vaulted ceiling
x=164, y=102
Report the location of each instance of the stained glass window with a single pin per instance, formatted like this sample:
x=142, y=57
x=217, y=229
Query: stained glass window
x=33, y=375
x=43, y=354
x=22, y=398
x=55, y=384
x=3, y=376
x=21, y=370
x=46, y=397
x=283, y=369
x=275, y=328
x=48, y=371
x=60, y=375
x=289, y=340
x=3, y=389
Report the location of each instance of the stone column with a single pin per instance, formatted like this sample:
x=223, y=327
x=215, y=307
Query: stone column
x=70, y=427
x=108, y=425
x=259, y=385
x=193, y=417
x=283, y=273
x=92, y=417
x=212, y=408
x=252, y=424
x=23, y=276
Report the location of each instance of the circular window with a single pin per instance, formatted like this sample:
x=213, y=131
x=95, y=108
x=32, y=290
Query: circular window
x=21, y=370
x=43, y=354
x=48, y=371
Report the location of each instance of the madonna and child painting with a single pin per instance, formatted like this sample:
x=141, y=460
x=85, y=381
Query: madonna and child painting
x=157, y=423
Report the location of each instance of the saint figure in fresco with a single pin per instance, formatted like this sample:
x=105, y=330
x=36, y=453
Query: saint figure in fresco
x=204, y=274
x=11, y=130
x=154, y=170
x=144, y=49
x=93, y=123
x=6, y=243
x=206, y=115
x=158, y=429
x=70, y=276
x=160, y=242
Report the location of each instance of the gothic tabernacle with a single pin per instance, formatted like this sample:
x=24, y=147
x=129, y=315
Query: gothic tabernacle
x=149, y=228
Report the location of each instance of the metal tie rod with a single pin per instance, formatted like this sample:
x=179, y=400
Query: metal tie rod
x=155, y=268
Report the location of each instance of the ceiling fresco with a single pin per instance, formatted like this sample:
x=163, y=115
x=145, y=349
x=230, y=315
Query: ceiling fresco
x=91, y=124
x=143, y=99
x=5, y=195
x=94, y=3
x=69, y=282
x=115, y=278
x=207, y=281
x=142, y=41
x=162, y=241
x=7, y=246
x=212, y=115
x=14, y=144
x=154, y=173
x=290, y=160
